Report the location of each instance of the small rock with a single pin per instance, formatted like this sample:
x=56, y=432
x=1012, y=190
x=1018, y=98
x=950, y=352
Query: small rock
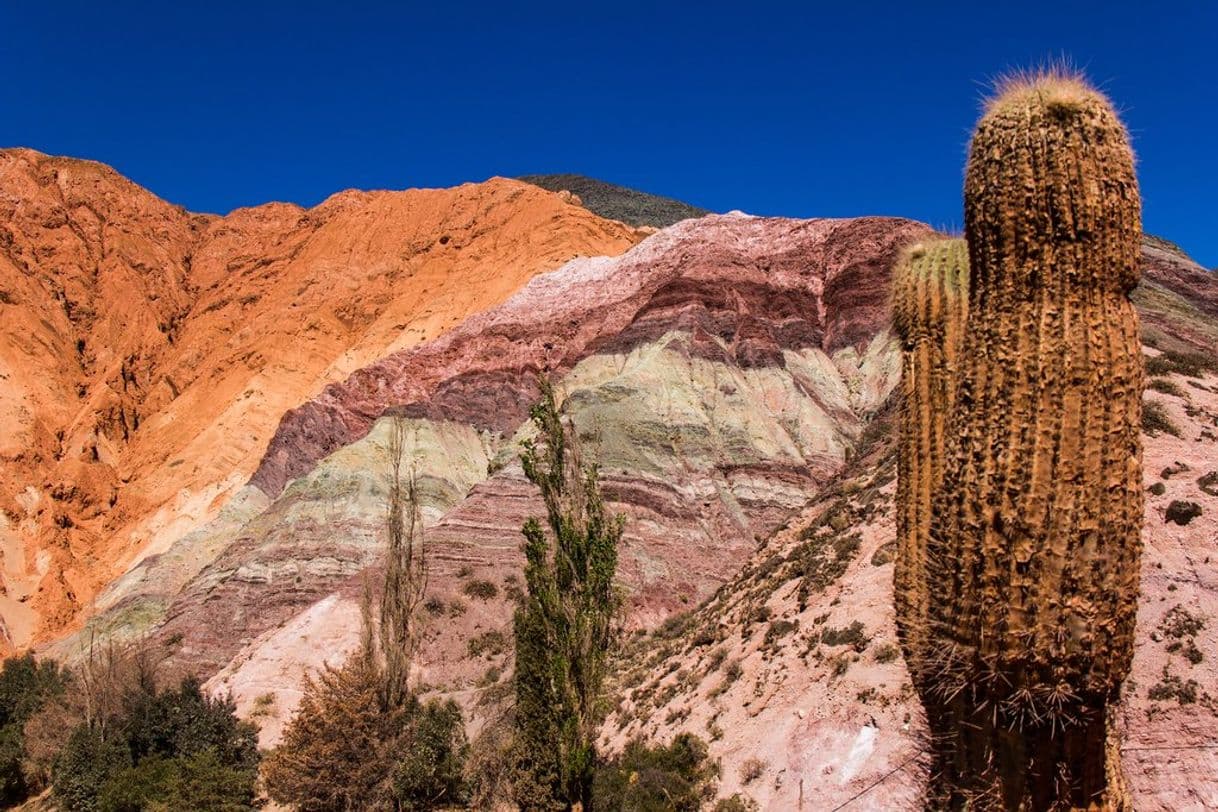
x=1209, y=483
x=1182, y=512
x=802, y=713
x=1158, y=489
x=1173, y=469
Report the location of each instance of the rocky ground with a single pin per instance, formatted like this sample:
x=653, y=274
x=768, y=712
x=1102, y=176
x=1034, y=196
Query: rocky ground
x=793, y=673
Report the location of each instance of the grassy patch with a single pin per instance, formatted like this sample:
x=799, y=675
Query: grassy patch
x=1185, y=692
x=489, y=644
x=750, y=770
x=481, y=589
x=886, y=653
x=853, y=635
x=1165, y=386
x=778, y=630
x=1156, y=421
x=1188, y=364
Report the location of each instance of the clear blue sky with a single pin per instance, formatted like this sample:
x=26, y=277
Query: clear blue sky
x=857, y=108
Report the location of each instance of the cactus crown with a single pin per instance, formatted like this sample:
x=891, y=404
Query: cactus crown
x=1057, y=88
x=1051, y=175
x=940, y=263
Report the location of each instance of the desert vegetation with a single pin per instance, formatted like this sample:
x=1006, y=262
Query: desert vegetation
x=114, y=734
x=929, y=309
x=1032, y=545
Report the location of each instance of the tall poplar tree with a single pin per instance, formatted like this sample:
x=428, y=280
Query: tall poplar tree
x=566, y=626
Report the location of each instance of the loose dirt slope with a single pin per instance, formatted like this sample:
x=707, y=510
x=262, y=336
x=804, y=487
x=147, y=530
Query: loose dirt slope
x=147, y=353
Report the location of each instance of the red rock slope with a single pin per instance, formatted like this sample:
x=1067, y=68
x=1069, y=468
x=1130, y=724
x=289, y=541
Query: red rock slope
x=147, y=353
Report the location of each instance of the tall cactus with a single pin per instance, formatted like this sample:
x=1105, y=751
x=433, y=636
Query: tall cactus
x=929, y=306
x=1035, y=537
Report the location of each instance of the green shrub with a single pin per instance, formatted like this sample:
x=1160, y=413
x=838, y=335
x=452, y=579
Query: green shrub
x=490, y=643
x=679, y=776
x=12, y=779
x=481, y=589
x=778, y=630
x=199, y=782
x=431, y=770
x=204, y=782
x=1188, y=364
x=1155, y=420
x=26, y=685
x=137, y=787
x=886, y=653
x=159, y=746
x=184, y=722
x=1185, y=692
x=751, y=769
x=852, y=635
x=1165, y=386
x=85, y=765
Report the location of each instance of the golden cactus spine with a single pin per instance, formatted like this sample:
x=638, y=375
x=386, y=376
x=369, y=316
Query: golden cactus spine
x=929, y=307
x=1036, y=533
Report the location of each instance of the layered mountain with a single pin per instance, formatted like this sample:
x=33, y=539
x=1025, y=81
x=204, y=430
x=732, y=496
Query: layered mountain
x=732, y=376
x=147, y=353
x=721, y=371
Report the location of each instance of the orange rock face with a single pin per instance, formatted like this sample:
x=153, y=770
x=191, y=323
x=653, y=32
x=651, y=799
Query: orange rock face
x=147, y=353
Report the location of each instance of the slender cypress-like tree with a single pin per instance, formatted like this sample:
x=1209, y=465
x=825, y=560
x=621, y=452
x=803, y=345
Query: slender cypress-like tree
x=361, y=739
x=405, y=575
x=566, y=626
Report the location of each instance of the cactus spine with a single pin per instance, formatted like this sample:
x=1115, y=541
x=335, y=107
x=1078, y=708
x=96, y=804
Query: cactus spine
x=930, y=303
x=1035, y=538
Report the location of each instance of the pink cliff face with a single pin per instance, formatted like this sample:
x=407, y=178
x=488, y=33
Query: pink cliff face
x=760, y=286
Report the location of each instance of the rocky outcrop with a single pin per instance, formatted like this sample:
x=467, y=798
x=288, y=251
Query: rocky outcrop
x=1167, y=266
x=147, y=353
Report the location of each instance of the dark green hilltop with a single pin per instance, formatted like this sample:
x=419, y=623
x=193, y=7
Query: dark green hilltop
x=618, y=202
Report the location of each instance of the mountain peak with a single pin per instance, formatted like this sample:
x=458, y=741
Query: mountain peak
x=615, y=202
